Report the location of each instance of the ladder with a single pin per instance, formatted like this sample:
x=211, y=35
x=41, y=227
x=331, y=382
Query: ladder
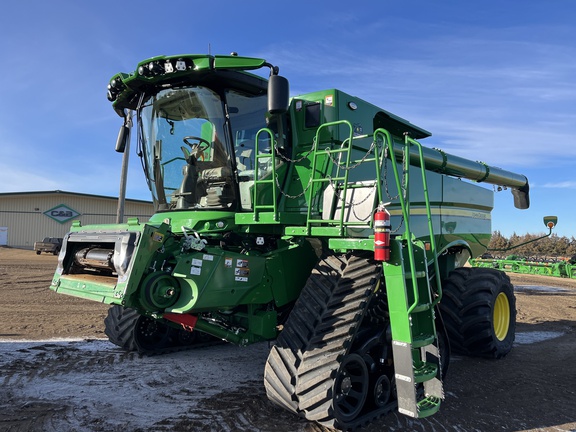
x=329, y=192
x=411, y=300
x=269, y=208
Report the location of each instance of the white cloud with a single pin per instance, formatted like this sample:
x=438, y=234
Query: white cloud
x=498, y=96
x=15, y=179
x=561, y=185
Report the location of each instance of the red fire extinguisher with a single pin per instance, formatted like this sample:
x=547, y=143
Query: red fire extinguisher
x=381, y=234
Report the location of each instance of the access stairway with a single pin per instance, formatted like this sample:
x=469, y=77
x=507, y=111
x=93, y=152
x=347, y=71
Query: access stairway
x=411, y=302
x=411, y=299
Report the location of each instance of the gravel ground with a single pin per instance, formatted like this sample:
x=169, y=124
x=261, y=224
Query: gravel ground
x=58, y=373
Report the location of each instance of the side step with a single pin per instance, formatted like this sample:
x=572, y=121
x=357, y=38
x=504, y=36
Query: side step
x=411, y=402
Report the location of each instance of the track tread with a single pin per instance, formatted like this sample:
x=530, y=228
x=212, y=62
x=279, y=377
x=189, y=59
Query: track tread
x=318, y=354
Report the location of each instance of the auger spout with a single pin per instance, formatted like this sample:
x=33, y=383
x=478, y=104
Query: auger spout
x=456, y=166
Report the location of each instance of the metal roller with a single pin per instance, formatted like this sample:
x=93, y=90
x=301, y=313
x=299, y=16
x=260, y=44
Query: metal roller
x=94, y=257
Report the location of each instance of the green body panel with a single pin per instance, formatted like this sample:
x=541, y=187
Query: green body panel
x=209, y=279
x=204, y=222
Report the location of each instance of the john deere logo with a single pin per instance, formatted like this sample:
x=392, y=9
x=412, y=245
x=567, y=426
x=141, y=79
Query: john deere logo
x=61, y=213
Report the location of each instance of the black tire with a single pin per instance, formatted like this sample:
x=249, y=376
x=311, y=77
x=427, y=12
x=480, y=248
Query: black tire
x=131, y=331
x=119, y=327
x=479, y=312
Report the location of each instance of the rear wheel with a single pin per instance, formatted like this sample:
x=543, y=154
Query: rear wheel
x=479, y=312
x=131, y=331
x=119, y=327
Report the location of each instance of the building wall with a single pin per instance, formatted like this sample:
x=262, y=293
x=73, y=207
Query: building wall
x=23, y=220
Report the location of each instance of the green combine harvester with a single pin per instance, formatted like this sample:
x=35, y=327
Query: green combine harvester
x=318, y=222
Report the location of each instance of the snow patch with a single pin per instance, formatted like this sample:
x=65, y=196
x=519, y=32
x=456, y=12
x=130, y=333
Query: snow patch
x=547, y=289
x=526, y=338
x=97, y=380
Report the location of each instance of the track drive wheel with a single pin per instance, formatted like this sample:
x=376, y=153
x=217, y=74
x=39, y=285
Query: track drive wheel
x=479, y=312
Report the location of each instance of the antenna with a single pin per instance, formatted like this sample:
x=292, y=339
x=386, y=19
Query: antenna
x=209, y=49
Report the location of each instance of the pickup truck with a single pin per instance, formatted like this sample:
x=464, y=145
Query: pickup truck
x=49, y=244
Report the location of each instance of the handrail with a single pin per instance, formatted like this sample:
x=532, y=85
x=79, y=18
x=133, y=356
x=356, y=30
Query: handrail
x=405, y=206
x=341, y=166
x=409, y=140
x=272, y=180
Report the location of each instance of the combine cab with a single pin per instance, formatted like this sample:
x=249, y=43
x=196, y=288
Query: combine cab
x=319, y=222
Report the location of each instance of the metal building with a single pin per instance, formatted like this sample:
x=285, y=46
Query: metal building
x=26, y=217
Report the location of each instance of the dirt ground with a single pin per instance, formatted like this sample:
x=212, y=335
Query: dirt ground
x=56, y=372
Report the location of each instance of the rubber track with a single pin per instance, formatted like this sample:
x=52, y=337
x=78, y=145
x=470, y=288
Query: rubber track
x=302, y=367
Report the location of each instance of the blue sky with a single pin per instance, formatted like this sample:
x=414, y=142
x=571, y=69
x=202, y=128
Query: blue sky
x=493, y=81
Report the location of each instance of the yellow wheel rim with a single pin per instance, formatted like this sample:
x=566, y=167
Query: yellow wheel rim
x=501, y=320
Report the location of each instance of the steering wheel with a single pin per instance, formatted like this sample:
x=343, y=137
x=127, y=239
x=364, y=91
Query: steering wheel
x=201, y=145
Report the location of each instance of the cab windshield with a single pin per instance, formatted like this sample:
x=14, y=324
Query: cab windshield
x=186, y=150
x=192, y=154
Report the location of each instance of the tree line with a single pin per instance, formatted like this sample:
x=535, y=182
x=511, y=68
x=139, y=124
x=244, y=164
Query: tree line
x=552, y=247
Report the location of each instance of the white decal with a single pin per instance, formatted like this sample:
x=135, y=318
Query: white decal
x=195, y=271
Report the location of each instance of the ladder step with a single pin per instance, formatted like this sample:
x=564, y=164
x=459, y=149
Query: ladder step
x=417, y=275
x=426, y=372
x=428, y=406
x=422, y=307
x=422, y=340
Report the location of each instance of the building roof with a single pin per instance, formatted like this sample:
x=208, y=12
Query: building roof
x=70, y=193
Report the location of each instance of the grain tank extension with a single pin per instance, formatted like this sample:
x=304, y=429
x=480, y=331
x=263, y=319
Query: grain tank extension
x=318, y=222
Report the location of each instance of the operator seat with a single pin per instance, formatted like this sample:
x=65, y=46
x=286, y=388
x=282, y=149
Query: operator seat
x=245, y=155
x=186, y=194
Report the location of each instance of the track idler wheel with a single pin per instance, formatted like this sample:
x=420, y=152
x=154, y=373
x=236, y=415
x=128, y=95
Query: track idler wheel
x=381, y=391
x=151, y=334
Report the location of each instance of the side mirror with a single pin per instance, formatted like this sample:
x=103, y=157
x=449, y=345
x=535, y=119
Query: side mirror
x=550, y=222
x=278, y=94
x=123, y=137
